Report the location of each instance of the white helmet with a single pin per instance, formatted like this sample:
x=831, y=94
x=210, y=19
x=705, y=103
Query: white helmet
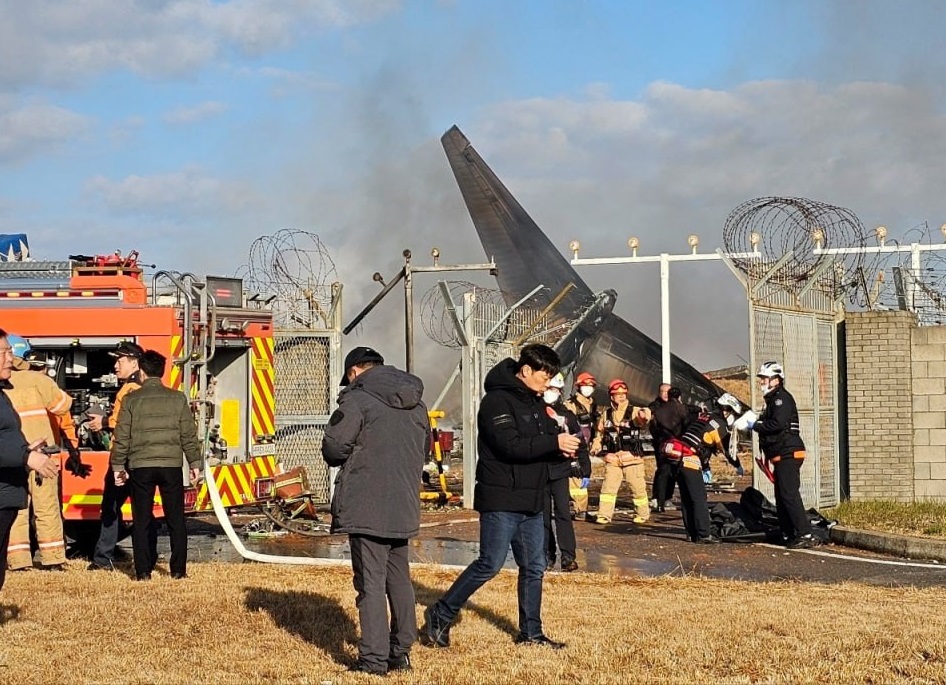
x=557, y=381
x=727, y=400
x=771, y=370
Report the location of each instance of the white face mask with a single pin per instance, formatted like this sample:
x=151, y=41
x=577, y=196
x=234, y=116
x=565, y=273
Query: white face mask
x=766, y=386
x=730, y=420
x=551, y=396
x=587, y=390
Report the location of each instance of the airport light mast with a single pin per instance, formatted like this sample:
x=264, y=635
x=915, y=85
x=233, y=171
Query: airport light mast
x=665, y=259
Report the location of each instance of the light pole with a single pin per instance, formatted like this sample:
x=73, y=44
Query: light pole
x=406, y=273
x=664, y=259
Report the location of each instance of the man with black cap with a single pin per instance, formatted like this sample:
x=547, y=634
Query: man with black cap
x=114, y=496
x=379, y=437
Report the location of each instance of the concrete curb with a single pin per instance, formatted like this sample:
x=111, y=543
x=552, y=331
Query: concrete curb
x=888, y=543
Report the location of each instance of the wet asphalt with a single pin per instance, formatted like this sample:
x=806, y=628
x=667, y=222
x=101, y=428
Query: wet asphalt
x=656, y=548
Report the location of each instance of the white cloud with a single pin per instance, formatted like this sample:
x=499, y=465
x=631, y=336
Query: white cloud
x=28, y=129
x=196, y=113
x=55, y=43
x=182, y=194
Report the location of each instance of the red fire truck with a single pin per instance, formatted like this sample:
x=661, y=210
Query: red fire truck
x=219, y=347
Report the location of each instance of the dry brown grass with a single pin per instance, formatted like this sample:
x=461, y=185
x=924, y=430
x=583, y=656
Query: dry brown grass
x=925, y=518
x=254, y=623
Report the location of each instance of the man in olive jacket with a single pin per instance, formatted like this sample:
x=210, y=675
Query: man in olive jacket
x=379, y=438
x=155, y=428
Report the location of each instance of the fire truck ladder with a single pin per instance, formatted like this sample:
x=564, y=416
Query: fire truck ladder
x=199, y=334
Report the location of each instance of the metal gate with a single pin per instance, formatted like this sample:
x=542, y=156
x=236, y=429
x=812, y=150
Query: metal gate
x=491, y=332
x=307, y=370
x=805, y=342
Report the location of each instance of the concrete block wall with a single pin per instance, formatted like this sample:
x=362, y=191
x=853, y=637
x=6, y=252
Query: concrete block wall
x=929, y=412
x=880, y=388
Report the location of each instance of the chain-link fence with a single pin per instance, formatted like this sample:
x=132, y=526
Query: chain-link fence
x=306, y=377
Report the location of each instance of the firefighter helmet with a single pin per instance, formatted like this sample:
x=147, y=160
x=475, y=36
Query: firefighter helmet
x=727, y=400
x=21, y=346
x=585, y=378
x=557, y=381
x=771, y=370
x=617, y=386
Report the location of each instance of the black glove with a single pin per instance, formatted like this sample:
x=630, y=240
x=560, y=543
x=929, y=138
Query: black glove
x=74, y=463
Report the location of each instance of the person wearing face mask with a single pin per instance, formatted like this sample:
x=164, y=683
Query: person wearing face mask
x=781, y=444
x=582, y=404
x=556, y=503
x=618, y=437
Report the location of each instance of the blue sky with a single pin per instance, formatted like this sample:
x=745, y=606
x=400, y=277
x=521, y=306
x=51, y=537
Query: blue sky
x=187, y=128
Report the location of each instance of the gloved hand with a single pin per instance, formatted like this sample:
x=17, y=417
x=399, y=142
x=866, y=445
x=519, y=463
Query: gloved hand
x=584, y=483
x=74, y=463
x=746, y=421
x=740, y=471
x=707, y=477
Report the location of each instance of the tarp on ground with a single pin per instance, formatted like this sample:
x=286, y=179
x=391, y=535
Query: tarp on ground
x=755, y=518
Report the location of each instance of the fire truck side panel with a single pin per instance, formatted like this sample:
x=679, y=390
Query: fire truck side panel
x=82, y=497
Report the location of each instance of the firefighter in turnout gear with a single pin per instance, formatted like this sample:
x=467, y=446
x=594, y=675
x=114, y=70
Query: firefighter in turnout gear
x=687, y=455
x=39, y=402
x=585, y=409
x=618, y=438
x=781, y=443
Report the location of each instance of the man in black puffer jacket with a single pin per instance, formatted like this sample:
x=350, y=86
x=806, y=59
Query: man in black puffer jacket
x=379, y=438
x=516, y=440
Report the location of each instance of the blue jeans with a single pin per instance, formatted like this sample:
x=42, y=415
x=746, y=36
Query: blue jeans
x=498, y=530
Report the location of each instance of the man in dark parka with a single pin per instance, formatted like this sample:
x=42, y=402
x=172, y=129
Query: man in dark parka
x=379, y=437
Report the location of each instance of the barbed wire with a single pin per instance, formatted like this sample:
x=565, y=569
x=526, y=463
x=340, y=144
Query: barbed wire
x=489, y=306
x=294, y=271
x=779, y=225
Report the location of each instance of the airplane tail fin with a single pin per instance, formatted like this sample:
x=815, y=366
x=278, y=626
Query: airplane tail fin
x=511, y=237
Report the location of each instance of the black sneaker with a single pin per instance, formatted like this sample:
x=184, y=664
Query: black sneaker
x=539, y=640
x=802, y=542
x=178, y=576
x=361, y=667
x=550, y=565
x=98, y=567
x=569, y=566
x=143, y=576
x=399, y=663
x=435, y=632
x=707, y=540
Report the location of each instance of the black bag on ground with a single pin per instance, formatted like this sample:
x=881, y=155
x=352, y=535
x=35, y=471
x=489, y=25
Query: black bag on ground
x=724, y=524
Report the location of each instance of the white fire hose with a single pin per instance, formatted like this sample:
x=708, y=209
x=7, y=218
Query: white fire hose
x=238, y=545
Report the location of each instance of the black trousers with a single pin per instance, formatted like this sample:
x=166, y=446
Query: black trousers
x=664, y=480
x=169, y=481
x=692, y=500
x=113, y=499
x=7, y=517
x=383, y=578
x=557, y=509
x=792, y=518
